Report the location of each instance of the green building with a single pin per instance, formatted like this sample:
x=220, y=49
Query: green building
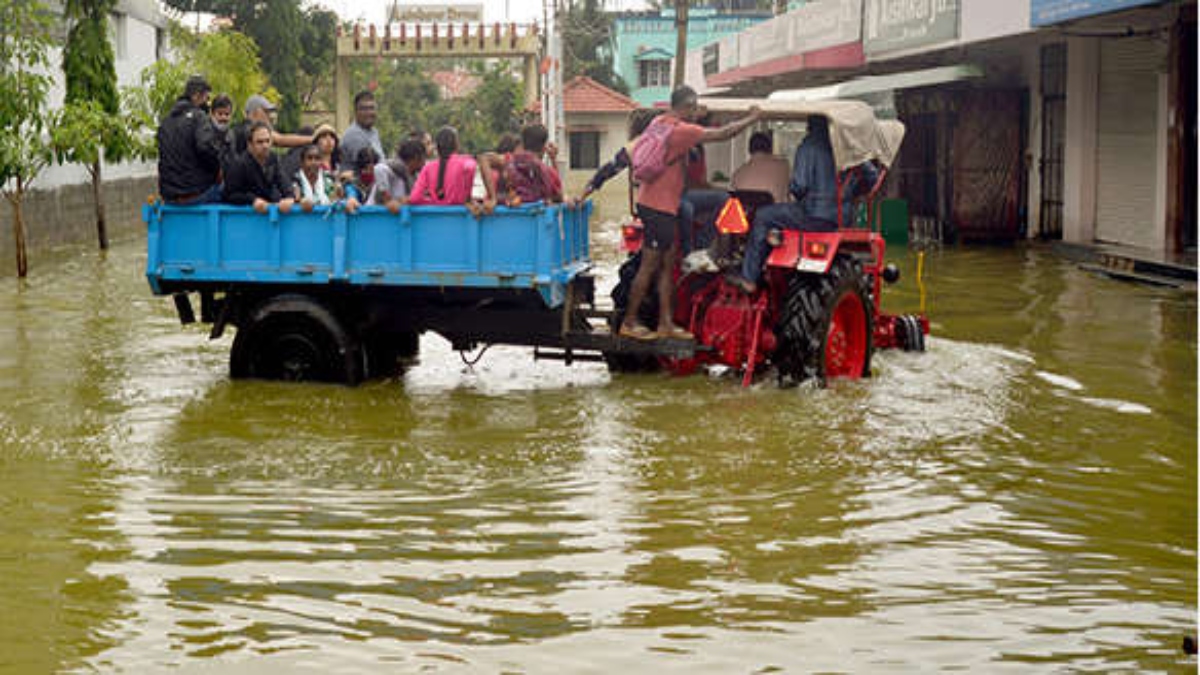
x=644, y=45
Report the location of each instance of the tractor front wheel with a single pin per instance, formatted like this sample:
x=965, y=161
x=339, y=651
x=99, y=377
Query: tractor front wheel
x=825, y=325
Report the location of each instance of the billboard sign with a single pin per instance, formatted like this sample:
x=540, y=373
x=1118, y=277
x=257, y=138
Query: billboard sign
x=405, y=13
x=894, y=25
x=818, y=25
x=1049, y=12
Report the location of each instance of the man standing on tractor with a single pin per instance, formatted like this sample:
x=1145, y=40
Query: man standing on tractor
x=814, y=187
x=658, y=166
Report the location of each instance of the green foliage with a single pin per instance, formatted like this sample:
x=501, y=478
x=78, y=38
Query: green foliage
x=407, y=99
x=148, y=102
x=24, y=43
x=230, y=62
x=276, y=26
x=587, y=44
x=83, y=130
x=318, y=45
x=490, y=110
x=88, y=61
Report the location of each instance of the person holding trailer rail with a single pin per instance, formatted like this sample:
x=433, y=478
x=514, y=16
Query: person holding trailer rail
x=658, y=207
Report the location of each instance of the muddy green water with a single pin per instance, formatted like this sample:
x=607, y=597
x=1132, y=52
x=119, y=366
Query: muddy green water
x=1020, y=498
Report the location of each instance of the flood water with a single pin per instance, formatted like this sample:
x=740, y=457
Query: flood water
x=1022, y=497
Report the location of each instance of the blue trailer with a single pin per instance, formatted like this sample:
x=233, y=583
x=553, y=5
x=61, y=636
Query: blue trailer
x=333, y=296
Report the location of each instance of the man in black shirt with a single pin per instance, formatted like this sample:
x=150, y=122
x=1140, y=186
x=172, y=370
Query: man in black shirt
x=188, y=153
x=254, y=176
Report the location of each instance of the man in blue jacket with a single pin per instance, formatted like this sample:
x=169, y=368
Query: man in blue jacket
x=815, y=209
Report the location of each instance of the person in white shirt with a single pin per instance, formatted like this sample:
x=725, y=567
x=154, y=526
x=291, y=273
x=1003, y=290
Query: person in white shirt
x=764, y=171
x=314, y=186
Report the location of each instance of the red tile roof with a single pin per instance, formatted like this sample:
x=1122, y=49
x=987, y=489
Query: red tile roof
x=583, y=94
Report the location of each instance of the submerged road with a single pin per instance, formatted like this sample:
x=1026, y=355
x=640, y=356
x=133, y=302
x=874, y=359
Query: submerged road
x=1021, y=497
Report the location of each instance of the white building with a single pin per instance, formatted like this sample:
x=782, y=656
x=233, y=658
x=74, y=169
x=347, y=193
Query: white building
x=139, y=35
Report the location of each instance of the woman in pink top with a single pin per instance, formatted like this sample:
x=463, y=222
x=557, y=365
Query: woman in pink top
x=448, y=180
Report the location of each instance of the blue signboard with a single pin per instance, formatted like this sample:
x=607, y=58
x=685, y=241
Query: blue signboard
x=1048, y=12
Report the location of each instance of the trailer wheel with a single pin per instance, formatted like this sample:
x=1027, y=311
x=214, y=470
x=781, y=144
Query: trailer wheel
x=648, y=314
x=295, y=338
x=825, y=327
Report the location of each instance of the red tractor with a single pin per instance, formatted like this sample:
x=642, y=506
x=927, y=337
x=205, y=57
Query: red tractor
x=816, y=314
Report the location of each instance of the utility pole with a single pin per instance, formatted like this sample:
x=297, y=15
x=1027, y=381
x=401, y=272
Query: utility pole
x=553, y=111
x=681, y=29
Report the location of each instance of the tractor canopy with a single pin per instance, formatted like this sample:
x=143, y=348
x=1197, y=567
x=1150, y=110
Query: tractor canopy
x=855, y=133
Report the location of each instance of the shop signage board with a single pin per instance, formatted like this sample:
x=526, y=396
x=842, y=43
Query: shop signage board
x=405, y=13
x=1049, y=12
x=818, y=25
x=894, y=25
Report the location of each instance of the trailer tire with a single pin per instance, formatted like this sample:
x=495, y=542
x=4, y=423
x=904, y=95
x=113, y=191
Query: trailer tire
x=825, y=326
x=648, y=314
x=295, y=338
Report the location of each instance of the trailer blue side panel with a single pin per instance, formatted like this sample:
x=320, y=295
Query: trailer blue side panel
x=536, y=247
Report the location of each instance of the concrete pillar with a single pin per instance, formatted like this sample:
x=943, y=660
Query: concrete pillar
x=341, y=88
x=1079, y=165
x=1032, y=66
x=531, y=81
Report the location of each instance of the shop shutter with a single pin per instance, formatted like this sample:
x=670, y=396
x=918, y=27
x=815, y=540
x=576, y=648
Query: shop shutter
x=1126, y=150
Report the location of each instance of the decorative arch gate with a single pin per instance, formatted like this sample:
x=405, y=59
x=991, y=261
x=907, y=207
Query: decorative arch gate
x=435, y=40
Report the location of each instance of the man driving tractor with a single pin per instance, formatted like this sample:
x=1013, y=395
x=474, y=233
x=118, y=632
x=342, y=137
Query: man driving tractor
x=815, y=209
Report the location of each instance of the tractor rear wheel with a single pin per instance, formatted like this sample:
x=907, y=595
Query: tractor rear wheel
x=647, y=315
x=825, y=326
x=295, y=338
x=912, y=338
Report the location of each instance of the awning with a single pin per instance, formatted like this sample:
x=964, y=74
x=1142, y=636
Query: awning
x=654, y=54
x=875, y=84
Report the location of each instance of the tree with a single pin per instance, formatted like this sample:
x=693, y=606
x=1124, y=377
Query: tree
x=230, y=62
x=82, y=132
x=587, y=34
x=407, y=99
x=318, y=44
x=24, y=43
x=91, y=95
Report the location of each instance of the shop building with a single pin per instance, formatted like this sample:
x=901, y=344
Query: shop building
x=1060, y=119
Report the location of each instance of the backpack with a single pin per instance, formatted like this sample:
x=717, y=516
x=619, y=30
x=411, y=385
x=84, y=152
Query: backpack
x=525, y=177
x=650, y=152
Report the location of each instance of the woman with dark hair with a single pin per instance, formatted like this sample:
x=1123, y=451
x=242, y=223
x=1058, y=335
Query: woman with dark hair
x=447, y=180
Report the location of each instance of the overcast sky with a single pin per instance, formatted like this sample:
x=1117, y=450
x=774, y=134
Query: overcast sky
x=520, y=11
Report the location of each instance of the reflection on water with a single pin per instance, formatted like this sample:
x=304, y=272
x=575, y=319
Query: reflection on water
x=1021, y=495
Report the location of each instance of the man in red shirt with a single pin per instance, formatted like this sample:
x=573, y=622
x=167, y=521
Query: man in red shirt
x=658, y=208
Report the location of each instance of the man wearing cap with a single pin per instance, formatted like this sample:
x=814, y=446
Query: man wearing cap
x=362, y=132
x=259, y=109
x=189, y=156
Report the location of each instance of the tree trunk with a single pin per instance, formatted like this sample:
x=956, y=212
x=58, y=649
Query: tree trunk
x=15, y=199
x=101, y=225
x=681, y=28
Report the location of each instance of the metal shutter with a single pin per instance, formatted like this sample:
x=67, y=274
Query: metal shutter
x=1126, y=150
